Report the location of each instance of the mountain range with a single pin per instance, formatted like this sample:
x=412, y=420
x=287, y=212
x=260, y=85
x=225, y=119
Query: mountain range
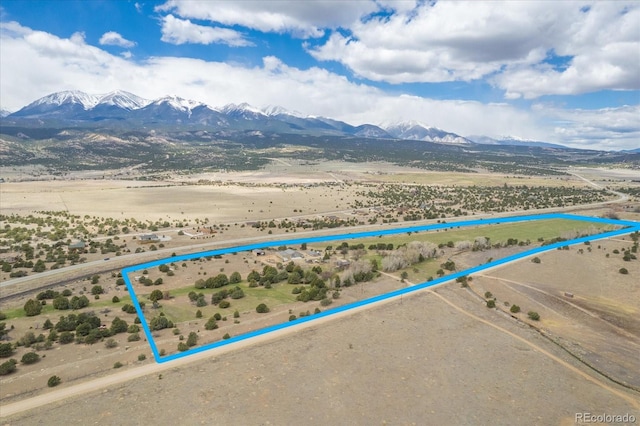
x=125, y=110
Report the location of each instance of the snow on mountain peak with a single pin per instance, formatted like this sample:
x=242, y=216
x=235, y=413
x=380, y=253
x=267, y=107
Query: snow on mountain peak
x=69, y=96
x=403, y=125
x=122, y=99
x=273, y=110
x=241, y=109
x=176, y=102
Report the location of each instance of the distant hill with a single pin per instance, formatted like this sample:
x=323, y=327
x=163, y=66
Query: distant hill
x=512, y=141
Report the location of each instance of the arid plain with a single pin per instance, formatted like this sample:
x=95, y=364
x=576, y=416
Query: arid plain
x=435, y=357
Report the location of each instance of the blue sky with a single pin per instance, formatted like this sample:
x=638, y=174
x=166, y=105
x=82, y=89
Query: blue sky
x=566, y=72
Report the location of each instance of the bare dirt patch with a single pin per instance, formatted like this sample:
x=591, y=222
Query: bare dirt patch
x=584, y=303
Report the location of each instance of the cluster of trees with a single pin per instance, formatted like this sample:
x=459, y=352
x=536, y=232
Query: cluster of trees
x=427, y=202
x=409, y=254
x=218, y=281
x=60, y=302
x=160, y=322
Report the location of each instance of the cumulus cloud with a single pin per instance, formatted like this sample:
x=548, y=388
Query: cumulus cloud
x=42, y=63
x=112, y=38
x=301, y=18
x=513, y=44
x=181, y=31
x=606, y=128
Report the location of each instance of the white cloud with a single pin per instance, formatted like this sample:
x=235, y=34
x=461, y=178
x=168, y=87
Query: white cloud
x=606, y=128
x=181, y=31
x=301, y=18
x=510, y=43
x=112, y=38
x=42, y=63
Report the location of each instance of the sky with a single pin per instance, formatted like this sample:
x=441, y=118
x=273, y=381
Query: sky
x=558, y=71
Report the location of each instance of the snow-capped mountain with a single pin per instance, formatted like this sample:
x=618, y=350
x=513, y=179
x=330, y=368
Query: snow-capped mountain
x=67, y=97
x=126, y=110
x=415, y=130
x=276, y=110
x=177, y=103
x=243, y=111
x=4, y=112
x=124, y=100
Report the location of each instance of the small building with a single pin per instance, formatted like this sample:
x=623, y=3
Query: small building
x=289, y=254
x=149, y=238
x=78, y=245
x=342, y=263
x=259, y=252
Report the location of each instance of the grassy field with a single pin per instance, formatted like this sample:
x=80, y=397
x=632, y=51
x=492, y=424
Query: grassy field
x=546, y=229
x=181, y=310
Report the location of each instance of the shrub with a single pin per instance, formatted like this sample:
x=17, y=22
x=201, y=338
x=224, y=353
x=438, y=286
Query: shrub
x=115, y=299
x=66, y=337
x=133, y=337
x=54, y=381
x=110, y=343
x=536, y=260
x=142, y=357
x=159, y=323
x=292, y=317
x=226, y=336
x=533, y=316
x=117, y=365
x=326, y=301
x=211, y=324
x=192, y=340
x=491, y=303
x=6, y=350
x=236, y=314
x=488, y=295
x=623, y=271
x=32, y=308
x=515, y=309
x=8, y=367
x=198, y=313
x=182, y=347
x=30, y=358
x=262, y=308
x=224, y=304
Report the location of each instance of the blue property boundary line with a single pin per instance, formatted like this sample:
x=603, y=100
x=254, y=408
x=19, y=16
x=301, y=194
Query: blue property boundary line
x=629, y=227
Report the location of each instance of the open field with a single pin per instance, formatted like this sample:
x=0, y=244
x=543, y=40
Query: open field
x=585, y=304
x=336, y=357
x=531, y=231
x=142, y=200
x=440, y=365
